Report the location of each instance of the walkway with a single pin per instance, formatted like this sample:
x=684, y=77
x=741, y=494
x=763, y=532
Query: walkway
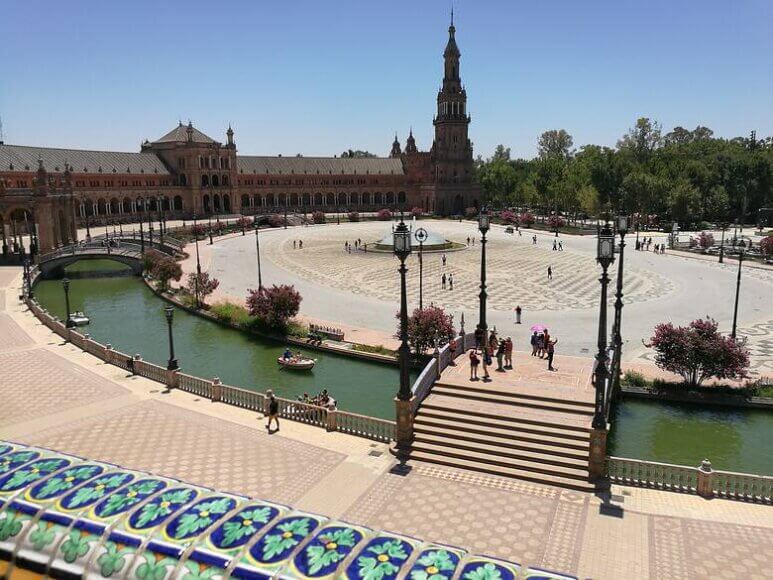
x=58, y=397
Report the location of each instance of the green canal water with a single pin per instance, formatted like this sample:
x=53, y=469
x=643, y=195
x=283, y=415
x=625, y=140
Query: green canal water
x=131, y=318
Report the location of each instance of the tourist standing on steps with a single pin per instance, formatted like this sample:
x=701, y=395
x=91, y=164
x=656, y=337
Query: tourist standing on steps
x=534, y=343
x=545, y=341
x=501, y=356
x=443, y=281
x=451, y=281
x=518, y=314
x=486, y=363
x=474, y=362
x=551, y=351
x=550, y=272
x=273, y=411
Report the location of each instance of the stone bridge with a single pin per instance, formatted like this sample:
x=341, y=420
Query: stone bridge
x=53, y=263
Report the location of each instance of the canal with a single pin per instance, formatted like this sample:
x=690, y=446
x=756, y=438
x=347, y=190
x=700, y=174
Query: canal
x=130, y=317
x=126, y=314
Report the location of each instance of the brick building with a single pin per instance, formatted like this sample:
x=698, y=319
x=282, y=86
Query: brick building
x=188, y=172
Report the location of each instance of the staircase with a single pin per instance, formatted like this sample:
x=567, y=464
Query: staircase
x=512, y=432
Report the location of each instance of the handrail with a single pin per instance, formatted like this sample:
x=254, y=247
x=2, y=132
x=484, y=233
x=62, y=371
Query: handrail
x=432, y=370
x=700, y=480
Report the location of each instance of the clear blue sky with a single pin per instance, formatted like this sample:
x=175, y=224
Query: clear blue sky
x=319, y=77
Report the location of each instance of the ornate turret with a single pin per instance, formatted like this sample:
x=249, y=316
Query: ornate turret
x=410, y=144
x=67, y=178
x=230, y=136
x=41, y=179
x=396, y=151
x=189, y=132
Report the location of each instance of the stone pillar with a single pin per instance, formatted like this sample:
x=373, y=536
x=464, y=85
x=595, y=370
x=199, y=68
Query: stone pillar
x=598, y=453
x=137, y=358
x=332, y=421
x=109, y=353
x=217, y=389
x=404, y=427
x=172, y=379
x=704, y=486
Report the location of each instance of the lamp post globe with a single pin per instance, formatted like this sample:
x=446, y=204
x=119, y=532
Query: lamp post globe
x=172, y=364
x=402, y=249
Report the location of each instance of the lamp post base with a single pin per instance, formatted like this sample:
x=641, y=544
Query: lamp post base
x=598, y=453
x=404, y=426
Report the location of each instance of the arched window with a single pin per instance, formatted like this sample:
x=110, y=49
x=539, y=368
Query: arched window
x=215, y=181
x=227, y=202
x=183, y=180
x=354, y=199
x=178, y=203
x=101, y=206
x=294, y=200
x=270, y=200
x=207, y=206
x=282, y=200
x=224, y=181
x=317, y=199
x=330, y=199
x=115, y=206
x=379, y=198
x=216, y=199
x=401, y=197
x=306, y=199
x=205, y=181
x=127, y=206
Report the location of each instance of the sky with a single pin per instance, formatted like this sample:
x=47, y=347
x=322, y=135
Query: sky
x=318, y=77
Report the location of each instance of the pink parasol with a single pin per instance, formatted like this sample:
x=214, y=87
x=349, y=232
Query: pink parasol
x=538, y=328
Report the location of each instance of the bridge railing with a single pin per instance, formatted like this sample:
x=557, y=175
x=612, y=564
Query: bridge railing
x=437, y=364
x=702, y=480
x=331, y=420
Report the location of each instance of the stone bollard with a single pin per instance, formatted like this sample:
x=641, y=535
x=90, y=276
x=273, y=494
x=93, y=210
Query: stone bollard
x=217, y=389
x=109, y=353
x=137, y=358
x=332, y=421
x=598, y=454
x=705, y=484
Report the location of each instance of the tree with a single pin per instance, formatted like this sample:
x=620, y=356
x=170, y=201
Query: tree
x=274, y=306
x=384, y=214
x=766, y=246
x=165, y=270
x=318, y=217
x=428, y=327
x=357, y=154
x=508, y=217
x=526, y=219
x=205, y=287
x=705, y=240
x=555, y=143
x=642, y=139
x=556, y=221
x=416, y=212
x=698, y=351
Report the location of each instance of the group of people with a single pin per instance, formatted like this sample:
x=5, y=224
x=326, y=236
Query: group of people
x=502, y=349
x=645, y=243
x=542, y=345
x=322, y=399
x=297, y=244
x=348, y=246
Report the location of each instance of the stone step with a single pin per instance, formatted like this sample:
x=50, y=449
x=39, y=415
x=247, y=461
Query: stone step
x=579, y=473
x=491, y=447
x=547, y=445
x=473, y=424
x=488, y=410
x=524, y=392
x=503, y=471
x=514, y=399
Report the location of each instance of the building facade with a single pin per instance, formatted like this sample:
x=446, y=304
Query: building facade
x=188, y=173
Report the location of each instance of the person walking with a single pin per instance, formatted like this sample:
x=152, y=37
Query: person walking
x=534, y=240
x=474, y=362
x=444, y=260
x=555, y=246
x=550, y=272
x=468, y=240
x=295, y=244
x=443, y=281
x=551, y=352
x=451, y=281
x=273, y=411
x=518, y=314
x=534, y=343
x=560, y=246
x=509, y=353
x=300, y=244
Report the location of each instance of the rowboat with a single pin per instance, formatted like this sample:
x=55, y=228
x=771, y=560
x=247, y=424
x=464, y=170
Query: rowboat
x=297, y=364
x=79, y=318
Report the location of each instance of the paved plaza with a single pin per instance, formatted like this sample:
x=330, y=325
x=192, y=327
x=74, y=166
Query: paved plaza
x=362, y=289
x=59, y=397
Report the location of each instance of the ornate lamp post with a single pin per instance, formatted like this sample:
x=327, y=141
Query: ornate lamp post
x=722, y=244
x=421, y=236
x=69, y=321
x=483, y=225
x=198, y=263
x=257, y=250
x=737, y=293
x=210, y=229
x=160, y=203
x=172, y=364
x=605, y=257
x=142, y=232
x=402, y=249
x=28, y=277
x=622, y=229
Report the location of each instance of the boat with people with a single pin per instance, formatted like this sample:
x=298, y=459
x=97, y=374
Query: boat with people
x=295, y=361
